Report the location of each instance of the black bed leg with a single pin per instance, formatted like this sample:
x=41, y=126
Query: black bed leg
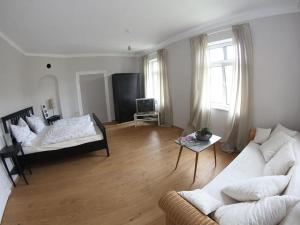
x=107, y=152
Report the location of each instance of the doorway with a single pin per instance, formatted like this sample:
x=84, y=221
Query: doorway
x=93, y=96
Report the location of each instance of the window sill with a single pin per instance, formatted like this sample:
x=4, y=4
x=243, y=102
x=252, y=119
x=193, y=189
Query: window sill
x=220, y=107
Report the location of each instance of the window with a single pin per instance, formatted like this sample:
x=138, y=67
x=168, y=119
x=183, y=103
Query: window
x=152, y=89
x=220, y=56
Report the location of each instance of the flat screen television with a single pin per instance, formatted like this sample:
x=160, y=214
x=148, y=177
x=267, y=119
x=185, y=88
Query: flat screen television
x=145, y=105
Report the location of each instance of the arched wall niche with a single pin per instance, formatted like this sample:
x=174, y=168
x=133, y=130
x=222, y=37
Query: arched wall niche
x=48, y=88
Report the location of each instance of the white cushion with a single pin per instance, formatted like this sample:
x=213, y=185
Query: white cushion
x=22, y=123
x=293, y=187
x=22, y=134
x=289, y=132
x=274, y=143
x=281, y=162
x=267, y=211
x=201, y=200
x=293, y=216
x=35, y=123
x=257, y=188
x=261, y=135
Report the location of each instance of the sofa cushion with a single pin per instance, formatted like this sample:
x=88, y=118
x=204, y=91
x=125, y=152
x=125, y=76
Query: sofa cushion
x=293, y=216
x=257, y=188
x=241, y=168
x=267, y=211
x=274, y=143
x=281, y=162
x=201, y=200
x=261, y=135
x=294, y=185
x=285, y=130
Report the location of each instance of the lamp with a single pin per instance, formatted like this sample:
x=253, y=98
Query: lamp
x=51, y=104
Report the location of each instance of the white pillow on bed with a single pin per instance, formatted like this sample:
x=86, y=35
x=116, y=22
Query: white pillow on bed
x=35, y=123
x=22, y=134
x=267, y=211
x=22, y=123
x=281, y=162
x=256, y=188
x=274, y=143
x=201, y=200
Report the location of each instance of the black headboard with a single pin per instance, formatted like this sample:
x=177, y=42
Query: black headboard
x=14, y=117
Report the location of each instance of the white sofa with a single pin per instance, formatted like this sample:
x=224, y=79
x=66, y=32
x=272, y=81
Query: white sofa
x=248, y=164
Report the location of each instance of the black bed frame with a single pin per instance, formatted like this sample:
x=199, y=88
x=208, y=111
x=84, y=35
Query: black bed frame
x=38, y=156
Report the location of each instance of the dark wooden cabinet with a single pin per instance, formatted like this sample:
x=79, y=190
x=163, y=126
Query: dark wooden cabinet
x=127, y=87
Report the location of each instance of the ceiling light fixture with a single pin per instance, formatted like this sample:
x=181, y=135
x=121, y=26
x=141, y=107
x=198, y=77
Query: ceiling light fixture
x=129, y=48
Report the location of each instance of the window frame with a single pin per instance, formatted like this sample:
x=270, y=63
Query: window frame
x=221, y=63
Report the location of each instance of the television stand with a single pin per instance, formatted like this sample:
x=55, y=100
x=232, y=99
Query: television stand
x=146, y=117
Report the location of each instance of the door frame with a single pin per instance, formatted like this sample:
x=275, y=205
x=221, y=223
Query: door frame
x=79, y=98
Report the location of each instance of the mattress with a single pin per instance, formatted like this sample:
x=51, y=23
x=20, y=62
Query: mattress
x=38, y=147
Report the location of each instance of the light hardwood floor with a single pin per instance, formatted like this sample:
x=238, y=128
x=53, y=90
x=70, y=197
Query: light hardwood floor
x=123, y=189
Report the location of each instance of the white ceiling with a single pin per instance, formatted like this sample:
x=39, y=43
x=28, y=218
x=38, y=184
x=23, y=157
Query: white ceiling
x=69, y=27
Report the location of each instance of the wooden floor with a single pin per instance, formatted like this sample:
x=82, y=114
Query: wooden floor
x=123, y=189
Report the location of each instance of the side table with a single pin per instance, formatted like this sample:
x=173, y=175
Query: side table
x=12, y=153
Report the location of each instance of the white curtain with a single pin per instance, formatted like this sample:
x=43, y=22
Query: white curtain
x=157, y=85
x=239, y=112
x=200, y=92
x=165, y=102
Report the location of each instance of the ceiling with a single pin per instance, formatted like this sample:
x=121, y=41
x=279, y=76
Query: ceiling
x=70, y=27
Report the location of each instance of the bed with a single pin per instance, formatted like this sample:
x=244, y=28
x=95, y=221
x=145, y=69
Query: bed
x=38, y=152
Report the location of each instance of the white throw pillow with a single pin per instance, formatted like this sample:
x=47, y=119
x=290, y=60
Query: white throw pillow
x=289, y=132
x=267, y=211
x=201, y=200
x=261, y=135
x=293, y=216
x=281, y=162
x=22, y=134
x=294, y=185
x=35, y=123
x=257, y=188
x=275, y=142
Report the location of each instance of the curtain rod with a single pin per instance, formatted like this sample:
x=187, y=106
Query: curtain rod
x=219, y=31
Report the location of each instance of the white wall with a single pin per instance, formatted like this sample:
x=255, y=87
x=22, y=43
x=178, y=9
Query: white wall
x=65, y=70
x=276, y=78
x=276, y=89
x=13, y=96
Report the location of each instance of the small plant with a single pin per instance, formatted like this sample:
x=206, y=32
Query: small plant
x=204, y=134
x=205, y=131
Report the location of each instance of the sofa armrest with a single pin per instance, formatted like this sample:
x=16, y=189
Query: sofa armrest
x=180, y=212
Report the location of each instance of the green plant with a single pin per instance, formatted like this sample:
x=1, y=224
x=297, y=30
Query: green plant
x=205, y=131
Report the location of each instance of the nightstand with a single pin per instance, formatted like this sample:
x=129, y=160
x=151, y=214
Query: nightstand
x=52, y=119
x=12, y=153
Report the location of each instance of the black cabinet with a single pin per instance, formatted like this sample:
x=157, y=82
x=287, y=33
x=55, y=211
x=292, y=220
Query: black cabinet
x=127, y=87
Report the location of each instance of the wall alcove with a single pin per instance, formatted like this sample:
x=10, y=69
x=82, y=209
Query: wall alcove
x=48, y=88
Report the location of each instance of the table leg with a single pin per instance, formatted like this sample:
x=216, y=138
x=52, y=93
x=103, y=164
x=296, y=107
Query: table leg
x=196, y=163
x=180, y=150
x=10, y=177
x=215, y=155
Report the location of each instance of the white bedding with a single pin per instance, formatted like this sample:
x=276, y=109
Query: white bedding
x=69, y=129
x=38, y=147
